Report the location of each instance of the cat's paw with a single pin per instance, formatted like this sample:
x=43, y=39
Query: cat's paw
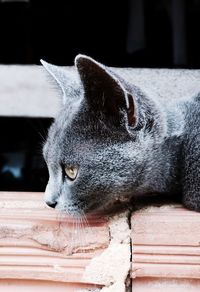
x=192, y=202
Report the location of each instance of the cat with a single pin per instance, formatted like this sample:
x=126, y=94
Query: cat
x=111, y=142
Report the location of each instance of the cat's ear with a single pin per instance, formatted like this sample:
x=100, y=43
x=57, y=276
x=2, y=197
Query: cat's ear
x=103, y=91
x=66, y=81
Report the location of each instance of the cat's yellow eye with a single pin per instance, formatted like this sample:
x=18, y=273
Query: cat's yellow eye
x=71, y=172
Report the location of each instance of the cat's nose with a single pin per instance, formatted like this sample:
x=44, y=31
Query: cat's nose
x=51, y=204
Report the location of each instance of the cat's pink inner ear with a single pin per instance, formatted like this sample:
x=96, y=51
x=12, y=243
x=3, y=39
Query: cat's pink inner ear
x=131, y=112
x=102, y=89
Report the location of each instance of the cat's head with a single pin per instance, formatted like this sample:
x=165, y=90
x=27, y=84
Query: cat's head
x=97, y=146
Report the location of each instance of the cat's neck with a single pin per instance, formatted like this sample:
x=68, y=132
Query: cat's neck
x=163, y=164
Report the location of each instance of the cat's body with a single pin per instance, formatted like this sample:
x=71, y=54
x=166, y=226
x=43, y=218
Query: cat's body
x=121, y=141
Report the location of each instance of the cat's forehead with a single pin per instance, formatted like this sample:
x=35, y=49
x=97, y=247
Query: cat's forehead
x=88, y=152
x=81, y=125
x=82, y=135
x=73, y=143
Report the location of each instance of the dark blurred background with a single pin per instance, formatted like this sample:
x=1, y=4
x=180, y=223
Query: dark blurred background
x=133, y=33
x=156, y=33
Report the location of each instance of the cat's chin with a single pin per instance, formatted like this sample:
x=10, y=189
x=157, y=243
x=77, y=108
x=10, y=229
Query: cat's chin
x=109, y=209
x=105, y=210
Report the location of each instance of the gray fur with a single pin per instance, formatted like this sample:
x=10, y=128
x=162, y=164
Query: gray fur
x=125, y=142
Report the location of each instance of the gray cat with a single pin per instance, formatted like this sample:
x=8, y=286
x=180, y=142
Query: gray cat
x=111, y=142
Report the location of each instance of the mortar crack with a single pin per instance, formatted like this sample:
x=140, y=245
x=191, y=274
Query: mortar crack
x=128, y=279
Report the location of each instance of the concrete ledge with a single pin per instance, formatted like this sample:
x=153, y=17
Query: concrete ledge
x=26, y=91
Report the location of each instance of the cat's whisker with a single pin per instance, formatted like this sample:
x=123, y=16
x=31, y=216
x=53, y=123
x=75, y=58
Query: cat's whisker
x=74, y=233
x=84, y=231
x=59, y=216
x=62, y=214
x=79, y=232
x=85, y=219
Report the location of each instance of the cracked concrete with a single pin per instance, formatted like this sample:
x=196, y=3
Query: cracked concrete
x=113, y=265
